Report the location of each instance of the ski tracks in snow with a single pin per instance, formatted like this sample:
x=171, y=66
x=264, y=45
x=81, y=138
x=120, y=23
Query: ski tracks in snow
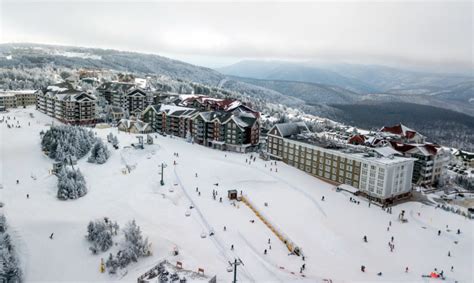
x=215, y=239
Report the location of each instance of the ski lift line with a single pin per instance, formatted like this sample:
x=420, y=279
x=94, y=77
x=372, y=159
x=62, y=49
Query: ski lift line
x=204, y=222
x=292, y=247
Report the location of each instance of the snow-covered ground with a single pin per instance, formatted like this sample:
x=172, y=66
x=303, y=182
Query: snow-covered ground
x=329, y=232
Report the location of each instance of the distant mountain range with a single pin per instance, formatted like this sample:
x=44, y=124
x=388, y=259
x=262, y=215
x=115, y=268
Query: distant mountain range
x=345, y=83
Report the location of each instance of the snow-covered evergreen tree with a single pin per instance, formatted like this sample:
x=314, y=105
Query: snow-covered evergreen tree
x=67, y=141
x=100, y=233
x=9, y=265
x=71, y=184
x=99, y=153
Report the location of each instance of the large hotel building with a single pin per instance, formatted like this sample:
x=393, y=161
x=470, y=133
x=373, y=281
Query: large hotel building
x=379, y=174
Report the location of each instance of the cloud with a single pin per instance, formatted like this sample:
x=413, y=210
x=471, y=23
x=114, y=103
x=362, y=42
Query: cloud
x=417, y=33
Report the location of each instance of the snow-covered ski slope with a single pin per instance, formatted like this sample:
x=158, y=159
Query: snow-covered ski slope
x=329, y=232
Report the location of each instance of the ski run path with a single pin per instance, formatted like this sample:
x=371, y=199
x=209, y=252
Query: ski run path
x=329, y=232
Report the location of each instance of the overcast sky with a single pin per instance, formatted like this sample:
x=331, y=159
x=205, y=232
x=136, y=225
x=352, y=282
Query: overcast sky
x=421, y=33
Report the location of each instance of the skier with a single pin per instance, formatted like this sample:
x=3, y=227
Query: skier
x=362, y=268
x=365, y=239
x=302, y=258
x=389, y=223
x=439, y=232
x=449, y=253
x=322, y=198
x=225, y=229
x=268, y=240
x=269, y=247
x=265, y=251
x=406, y=269
x=231, y=247
x=17, y=182
x=220, y=199
x=379, y=274
x=459, y=231
x=51, y=236
x=27, y=196
x=392, y=239
x=196, y=175
x=452, y=268
x=197, y=189
x=304, y=266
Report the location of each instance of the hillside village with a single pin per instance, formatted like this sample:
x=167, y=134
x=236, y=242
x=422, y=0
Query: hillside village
x=311, y=165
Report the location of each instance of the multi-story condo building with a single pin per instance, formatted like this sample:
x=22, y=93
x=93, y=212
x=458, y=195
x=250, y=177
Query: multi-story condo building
x=130, y=98
x=7, y=100
x=17, y=98
x=431, y=161
x=67, y=104
x=378, y=174
x=171, y=119
x=236, y=130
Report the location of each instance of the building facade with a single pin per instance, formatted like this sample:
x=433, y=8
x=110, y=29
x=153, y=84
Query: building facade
x=381, y=178
x=67, y=104
x=431, y=165
x=235, y=130
x=17, y=98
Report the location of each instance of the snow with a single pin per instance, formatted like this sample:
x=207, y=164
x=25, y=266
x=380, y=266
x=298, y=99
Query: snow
x=329, y=232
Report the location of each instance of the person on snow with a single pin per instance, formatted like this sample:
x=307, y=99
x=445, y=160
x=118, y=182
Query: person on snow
x=452, y=268
x=362, y=268
x=27, y=196
x=406, y=269
x=225, y=229
x=392, y=239
x=322, y=198
x=304, y=266
x=268, y=240
x=231, y=247
x=439, y=232
x=265, y=252
x=459, y=232
x=17, y=182
x=196, y=175
x=379, y=274
x=449, y=253
x=51, y=236
x=365, y=239
x=389, y=223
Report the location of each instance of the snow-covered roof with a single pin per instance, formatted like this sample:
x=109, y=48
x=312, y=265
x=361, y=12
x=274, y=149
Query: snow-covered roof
x=386, y=151
x=293, y=128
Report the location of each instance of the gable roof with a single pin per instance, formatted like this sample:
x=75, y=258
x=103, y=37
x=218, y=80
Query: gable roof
x=400, y=130
x=292, y=128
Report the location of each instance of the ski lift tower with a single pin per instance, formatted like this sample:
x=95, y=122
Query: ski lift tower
x=235, y=264
x=162, y=182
